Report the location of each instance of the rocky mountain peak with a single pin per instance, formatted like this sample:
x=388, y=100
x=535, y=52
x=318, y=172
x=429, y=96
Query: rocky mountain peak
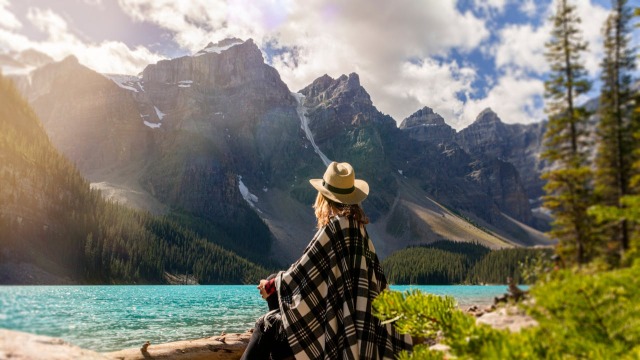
x=230, y=63
x=487, y=116
x=34, y=58
x=71, y=60
x=425, y=125
x=352, y=81
x=344, y=89
x=424, y=116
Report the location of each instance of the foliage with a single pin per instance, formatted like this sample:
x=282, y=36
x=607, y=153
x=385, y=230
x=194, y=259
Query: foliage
x=615, y=154
x=581, y=315
x=449, y=262
x=532, y=268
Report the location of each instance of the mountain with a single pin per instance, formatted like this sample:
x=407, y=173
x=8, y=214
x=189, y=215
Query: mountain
x=218, y=143
x=423, y=187
x=426, y=125
x=517, y=148
x=55, y=229
x=517, y=144
x=21, y=63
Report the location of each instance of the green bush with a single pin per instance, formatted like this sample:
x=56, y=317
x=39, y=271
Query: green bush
x=581, y=315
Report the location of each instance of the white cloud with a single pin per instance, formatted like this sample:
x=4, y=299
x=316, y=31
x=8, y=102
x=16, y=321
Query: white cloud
x=376, y=39
x=50, y=23
x=60, y=42
x=519, y=58
x=522, y=47
x=7, y=19
x=193, y=23
x=391, y=45
x=513, y=98
x=434, y=84
x=490, y=5
x=529, y=7
x=593, y=17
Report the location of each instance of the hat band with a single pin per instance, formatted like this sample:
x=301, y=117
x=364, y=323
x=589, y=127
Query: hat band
x=338, y=190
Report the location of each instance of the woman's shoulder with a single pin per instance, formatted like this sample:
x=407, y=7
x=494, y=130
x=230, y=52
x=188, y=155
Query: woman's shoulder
x=343, y=222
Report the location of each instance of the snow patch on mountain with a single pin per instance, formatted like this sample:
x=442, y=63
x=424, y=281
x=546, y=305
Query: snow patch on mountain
x=127, y=82
x=152, y=125
x=304, y=124
x=159, y=113
x=250, y=198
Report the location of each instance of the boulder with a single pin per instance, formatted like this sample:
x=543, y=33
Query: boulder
x=510, y=318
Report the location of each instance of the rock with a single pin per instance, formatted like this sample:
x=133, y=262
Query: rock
x=511, y=318
x=440, y=347
x=428, y=126
x=518, y=144
x=24, y=346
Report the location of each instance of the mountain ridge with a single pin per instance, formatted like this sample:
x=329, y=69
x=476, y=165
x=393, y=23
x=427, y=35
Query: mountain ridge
x=228, y=114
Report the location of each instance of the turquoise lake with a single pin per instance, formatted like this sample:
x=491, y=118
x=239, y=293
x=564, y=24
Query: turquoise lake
x=108, y=318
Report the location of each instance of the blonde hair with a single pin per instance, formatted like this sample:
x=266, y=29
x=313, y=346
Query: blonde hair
x=325, y=209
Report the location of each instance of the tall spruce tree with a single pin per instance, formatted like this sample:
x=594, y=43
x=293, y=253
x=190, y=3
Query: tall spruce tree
x=616, y=143
x=568, y=192
x=628, y=210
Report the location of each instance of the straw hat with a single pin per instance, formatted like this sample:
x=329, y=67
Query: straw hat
x=339, y=184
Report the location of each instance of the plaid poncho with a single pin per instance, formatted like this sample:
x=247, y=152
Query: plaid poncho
x=325, y=298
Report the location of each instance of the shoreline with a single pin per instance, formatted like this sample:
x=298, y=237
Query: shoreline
x=26, y=346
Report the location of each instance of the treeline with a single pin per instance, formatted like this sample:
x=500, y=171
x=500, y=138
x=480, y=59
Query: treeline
x=51, y=218
x=448, y=262
x=593, y=199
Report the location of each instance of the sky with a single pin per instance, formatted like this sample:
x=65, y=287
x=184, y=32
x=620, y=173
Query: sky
x=457, y=57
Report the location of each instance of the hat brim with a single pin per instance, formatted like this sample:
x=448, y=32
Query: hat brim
x=358, y=195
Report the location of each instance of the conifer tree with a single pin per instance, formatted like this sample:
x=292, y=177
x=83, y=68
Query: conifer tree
x=616, y=143
x=568, y=194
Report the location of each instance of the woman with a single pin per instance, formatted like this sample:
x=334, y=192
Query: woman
x=324, y=299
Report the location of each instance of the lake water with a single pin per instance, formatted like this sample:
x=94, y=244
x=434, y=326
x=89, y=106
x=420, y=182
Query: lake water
x=108, y=318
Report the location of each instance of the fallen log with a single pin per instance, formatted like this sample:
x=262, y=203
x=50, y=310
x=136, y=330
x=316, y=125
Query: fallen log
x=222, y=347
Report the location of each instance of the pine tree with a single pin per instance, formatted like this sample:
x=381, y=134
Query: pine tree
x=568, y=193
x=616, y=142
x=628, y=209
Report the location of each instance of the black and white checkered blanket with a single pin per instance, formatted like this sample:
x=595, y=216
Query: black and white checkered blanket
x=325, y=298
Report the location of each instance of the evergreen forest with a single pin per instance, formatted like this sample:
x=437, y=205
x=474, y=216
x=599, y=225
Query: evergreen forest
x=50, y=217
x=448, y=262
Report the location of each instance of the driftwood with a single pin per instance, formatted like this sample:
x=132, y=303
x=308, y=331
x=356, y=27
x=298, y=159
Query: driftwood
x=222, y=347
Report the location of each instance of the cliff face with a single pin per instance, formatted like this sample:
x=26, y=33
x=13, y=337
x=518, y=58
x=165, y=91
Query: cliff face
x=517, y=144
x=422, y=152
x=426, y=125
x=78, y=110
x=347, y=127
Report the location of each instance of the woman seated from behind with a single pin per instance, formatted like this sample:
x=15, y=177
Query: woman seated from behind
x=321, y=306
